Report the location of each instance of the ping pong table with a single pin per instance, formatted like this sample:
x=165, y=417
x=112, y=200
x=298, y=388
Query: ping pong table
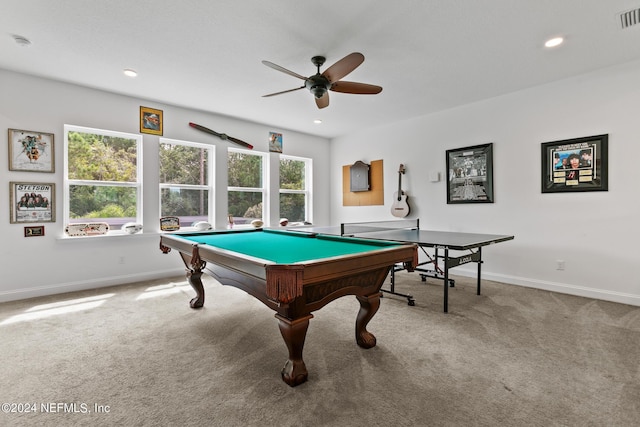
x=452, y=248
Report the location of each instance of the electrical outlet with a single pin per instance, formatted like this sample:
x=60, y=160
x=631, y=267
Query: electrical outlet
x=559, y=264
x=121, y=260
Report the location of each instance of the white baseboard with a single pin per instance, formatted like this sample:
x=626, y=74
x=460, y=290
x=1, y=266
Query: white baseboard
x=563, y=288
x=84, y=285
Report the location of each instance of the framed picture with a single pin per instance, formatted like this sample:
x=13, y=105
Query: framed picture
x=578, y=164
x=31, y=151
x=32, y=202
x=34, y=231
x=150, y=121
x=169, y=223
x=470, y=174
x=275, y=142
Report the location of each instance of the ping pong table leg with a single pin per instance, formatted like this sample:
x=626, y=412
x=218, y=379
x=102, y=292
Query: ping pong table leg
x=392, y=287
x=437, y=270
x=479, y=268
x=446, y=280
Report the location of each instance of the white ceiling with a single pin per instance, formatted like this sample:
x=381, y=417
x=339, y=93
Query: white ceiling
x=428, y=55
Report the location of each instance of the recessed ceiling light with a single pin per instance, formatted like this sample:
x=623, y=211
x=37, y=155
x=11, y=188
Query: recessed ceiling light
x=556, y=41
x=317, y=121
x=22, y=41
x=130, y=73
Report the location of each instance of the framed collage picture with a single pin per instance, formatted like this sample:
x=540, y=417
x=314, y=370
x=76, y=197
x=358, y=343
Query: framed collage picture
x=31, y=151
x=32, y=202
x=575, y=165
x=470, y=172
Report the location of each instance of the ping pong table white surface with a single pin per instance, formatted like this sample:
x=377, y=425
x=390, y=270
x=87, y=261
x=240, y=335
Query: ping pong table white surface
x=428, y=238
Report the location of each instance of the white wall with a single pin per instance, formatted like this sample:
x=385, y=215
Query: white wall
x=595, y=233
x=50, y=264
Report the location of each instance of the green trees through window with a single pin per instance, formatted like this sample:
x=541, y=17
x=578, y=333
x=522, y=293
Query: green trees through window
x=293, y=189
x=101, y=158
x=247, y=189
x=184, y=170
x=102, y=175
x=103, y=181
x=246, y=186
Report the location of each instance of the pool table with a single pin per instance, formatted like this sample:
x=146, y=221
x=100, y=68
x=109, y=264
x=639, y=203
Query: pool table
x=294, y=274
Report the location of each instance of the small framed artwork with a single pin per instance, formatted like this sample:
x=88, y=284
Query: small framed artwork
x=470, y=174
x=34, y=231
x=31, y=151
x=169, y=223
x=150, y=121
x=574, y=165
x=32, y=202
x=275, y=142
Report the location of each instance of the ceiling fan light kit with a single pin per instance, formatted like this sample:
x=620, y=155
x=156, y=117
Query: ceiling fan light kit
x=321, y=83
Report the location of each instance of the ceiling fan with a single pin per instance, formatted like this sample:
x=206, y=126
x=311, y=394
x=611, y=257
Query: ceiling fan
x=320, y=83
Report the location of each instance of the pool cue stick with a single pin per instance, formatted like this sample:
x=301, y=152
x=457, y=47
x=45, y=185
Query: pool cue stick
x=223, y=136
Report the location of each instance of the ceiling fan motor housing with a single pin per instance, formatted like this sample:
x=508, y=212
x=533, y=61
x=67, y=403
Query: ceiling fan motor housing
x=318, y=85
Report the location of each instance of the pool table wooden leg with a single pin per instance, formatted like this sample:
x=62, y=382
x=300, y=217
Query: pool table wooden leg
x=194, y=267
x=294, y=333
x=194, y=277
x=369, y=305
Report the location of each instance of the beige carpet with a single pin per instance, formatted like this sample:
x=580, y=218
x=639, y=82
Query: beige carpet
x=511, y=357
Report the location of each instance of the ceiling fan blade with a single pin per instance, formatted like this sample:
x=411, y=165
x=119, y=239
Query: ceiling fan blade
x=284, y=70
x=284, y=91
x=343, y=67
x=357, y=88
x=323, y=101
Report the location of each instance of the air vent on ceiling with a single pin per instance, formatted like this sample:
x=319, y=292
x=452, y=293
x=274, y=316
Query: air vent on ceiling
x=629, y=18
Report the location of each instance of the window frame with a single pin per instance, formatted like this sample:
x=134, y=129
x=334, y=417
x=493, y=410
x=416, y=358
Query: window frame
x=264, y=190
x=209, y=186
x=308, y=185
x=67, y=183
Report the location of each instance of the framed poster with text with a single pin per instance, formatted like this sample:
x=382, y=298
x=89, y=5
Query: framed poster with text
x=32, y=202
x=575, y=165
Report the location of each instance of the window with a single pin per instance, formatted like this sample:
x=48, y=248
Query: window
x=247, y=186
x=295, y=189
x=103, y=176
x=186, y=171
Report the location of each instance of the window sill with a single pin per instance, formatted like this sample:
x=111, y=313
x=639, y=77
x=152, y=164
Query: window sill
x=117, y=234
x=108, y=236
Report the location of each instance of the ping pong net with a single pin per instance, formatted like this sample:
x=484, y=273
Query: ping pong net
x=356, y=228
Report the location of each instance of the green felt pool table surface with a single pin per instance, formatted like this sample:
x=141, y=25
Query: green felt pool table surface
x=284, y=247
